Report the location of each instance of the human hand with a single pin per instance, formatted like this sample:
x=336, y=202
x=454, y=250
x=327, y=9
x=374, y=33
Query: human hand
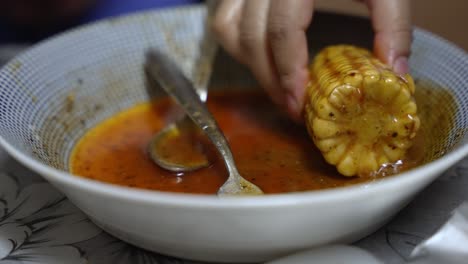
x=268, y=36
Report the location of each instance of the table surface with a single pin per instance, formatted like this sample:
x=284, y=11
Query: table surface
x=43, y=226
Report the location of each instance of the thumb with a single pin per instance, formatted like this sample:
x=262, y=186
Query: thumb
x=391, y=20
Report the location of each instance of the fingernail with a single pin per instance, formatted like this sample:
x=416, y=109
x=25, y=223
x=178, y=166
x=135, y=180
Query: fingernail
x=400, y=65
x=293, y=107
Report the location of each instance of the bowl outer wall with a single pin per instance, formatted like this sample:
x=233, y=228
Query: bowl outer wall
x=246, y=229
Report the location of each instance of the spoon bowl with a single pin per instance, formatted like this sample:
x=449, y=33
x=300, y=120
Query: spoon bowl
x=186, y=135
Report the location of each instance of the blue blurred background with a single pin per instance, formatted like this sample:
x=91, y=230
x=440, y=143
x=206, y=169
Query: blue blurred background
x=29, y=21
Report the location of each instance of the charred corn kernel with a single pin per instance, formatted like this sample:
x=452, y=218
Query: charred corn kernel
x=359, y=113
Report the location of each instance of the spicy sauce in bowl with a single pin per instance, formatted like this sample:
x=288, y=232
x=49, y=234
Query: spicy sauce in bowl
x=270, y=150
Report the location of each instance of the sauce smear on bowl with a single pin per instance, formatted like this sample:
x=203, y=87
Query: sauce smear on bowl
x=270, y=151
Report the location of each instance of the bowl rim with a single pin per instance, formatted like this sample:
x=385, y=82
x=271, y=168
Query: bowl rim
x=53, y=175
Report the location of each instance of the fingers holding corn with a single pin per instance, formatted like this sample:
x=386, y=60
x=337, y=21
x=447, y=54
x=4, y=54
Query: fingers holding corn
x=359, y=113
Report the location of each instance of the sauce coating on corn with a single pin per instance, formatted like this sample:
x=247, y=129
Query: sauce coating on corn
x=359, y=113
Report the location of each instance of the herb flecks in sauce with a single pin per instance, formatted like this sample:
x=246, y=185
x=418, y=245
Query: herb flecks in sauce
x=271, y=151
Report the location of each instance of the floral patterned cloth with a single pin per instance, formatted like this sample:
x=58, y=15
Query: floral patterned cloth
x=39, y=225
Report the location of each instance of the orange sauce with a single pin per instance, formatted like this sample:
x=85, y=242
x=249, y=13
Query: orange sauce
x=270, y=151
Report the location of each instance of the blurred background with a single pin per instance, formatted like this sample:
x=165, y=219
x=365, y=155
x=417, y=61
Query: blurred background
x=445, y=18
x=24, y=22
x=29, y=21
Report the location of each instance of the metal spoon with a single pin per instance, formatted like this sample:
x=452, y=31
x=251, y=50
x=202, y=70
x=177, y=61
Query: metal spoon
x=173, y=81
x=159, y=148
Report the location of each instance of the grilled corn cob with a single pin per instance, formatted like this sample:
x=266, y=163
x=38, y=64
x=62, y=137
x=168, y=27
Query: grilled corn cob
x=359, y=113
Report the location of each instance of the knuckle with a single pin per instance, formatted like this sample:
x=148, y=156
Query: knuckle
x=402, y=27
x=249, y=41
x=220, y=26
x=286, y=80
x=277, y=30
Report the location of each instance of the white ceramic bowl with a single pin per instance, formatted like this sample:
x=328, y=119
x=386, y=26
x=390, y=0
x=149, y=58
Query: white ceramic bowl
x=100, y=67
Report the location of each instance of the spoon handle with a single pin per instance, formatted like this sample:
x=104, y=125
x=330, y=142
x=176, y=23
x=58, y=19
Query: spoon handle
x=174, y=82
x=208, y=48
